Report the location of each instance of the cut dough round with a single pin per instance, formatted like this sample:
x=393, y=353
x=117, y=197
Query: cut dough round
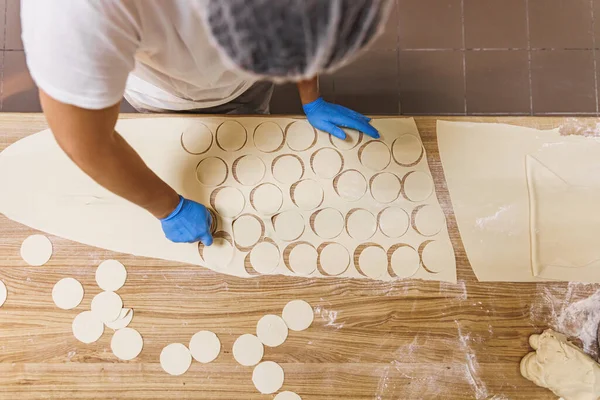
x=268, y=377
x=300, y=136
x=268, y=137
x=360, y=224
x=229, y=202
x=211, y=171
x=264, y=257
x=298, y=315
x=436, y=254
x=111, y=275
x=405, y=261
x=175, y=359
x=373, y=261
x=87, y=328
x=248, y=350
x=407, y=150
x=385, y=187
x=125, y=317
x=3, y=293
x=375, y=155
x=196, y=138
x=307, y=194
x=271, y=330
x=218, y=254
x=289, y=225
x=393, y=222
x=205, y=346
x=67, y=293
x=334, y=259
x=231, y=136
x=248, y=170
x=428, y=220
x=350, y=185
x=326, y=163
x=303, y=259
x=328, y=223
x=126, y=344
x=287, y=396
x=353, y=139
x=247, y=230
x=107, y=306
x=266, y=199
x=36, y=250
x=418, y=186
x=287, y=169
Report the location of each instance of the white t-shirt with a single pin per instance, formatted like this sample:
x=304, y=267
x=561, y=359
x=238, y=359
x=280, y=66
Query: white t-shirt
x=88, y=53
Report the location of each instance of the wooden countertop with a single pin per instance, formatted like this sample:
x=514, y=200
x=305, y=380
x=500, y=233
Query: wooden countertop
x=370, y=340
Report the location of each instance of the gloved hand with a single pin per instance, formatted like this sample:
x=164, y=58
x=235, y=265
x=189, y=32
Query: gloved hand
x=329, y=117
x=189, y=222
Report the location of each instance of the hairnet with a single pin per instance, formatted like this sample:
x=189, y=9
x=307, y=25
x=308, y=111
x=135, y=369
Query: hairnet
x=293, y=39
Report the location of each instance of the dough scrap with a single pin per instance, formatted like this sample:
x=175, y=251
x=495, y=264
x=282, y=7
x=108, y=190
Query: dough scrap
x=3, y=293
x=205, y=346
x=287, y=396
x=67, y=293
x=124, y=319
x=175, y=359
x=298, y=315
x=271, y=330
x=268, y=377
x=36, y=250
x=111, y=275
x=87, y=327
x=126, y=344
x=248, y=350
x=107, y=306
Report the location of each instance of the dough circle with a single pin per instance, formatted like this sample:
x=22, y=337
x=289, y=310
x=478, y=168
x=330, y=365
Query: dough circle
x=300, y=136
x=205, y=346
x=271, y=330
x=287, y=169
x=36, y=250
x=248, y=170
x=219, y=254
x=361, y=224
x=289, y=225
x=353, y=139
x=87, y=328
x=393, y=222
x=407, y=150
x=385, y=187
x=328, y=223
x=229, y=201
x=334, y=259
x=350, y=185
x=418, y=186
x=298, y=315
x=231, y=136
x=248, y=350
x=307, y=194
x=375, y=155
x=175, y=359
x=107, y=306
x=125, y=317
x=268, y=377
x=247, y=230
x=268, y=137
x=264, y=257
x=428, y=220
x=111, y=275
x=405, y=261
x=287, y=396
x=211, y=171
x=373, y=261
x=3, y=293
x=437, y=255
x=326, y=163
x=126, y=344
x=303, y=259
x=67, y=293
x=197, y=138
x=266, y=199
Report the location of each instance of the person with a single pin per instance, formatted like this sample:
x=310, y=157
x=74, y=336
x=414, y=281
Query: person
x=190, y=56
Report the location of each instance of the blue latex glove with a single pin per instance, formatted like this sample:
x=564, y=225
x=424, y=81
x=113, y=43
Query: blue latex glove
x=329, y=117
x=189, y=222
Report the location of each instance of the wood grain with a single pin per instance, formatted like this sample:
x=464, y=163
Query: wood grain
x=370, y=340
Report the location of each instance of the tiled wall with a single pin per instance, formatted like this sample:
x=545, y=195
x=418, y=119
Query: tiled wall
x=435, y=57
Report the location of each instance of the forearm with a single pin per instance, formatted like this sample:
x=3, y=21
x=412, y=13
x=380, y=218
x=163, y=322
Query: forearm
x=309, y=90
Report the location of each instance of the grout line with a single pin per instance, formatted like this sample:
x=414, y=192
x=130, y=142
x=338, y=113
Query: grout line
x=594, y=53
x=507, y=114
x=529, y=70
x=464, y=53
x=586, y=114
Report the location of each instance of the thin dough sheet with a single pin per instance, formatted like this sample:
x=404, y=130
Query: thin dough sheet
x=287, y=197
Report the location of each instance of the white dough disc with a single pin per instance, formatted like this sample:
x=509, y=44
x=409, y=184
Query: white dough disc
x=351, y=185
x=218, y=254
x=231, y=136
x=229, y=202
x=271, y=330
x=334, y=259
x=303, y=259
x=385, y=187
x=375, y=155
x=300, y=136
x=175, y=359
x=126, y=344
x=437, y=255
x=36, y=250
x=107, y=306
x=196, y=138
x=205, y=346
x=87, y=328
x=211, y=171
x=418, y=186
x=429, y=219
x=407, y=150
x=287, y=396
x=67, y=293
x=328, y=223
x=268, y=137
x=247, y=230
x=353, y=139
x=3, y=293
x=268, y=377
x=266, y=199
x=111, y=275
x=393, y=222
x=327, y=162
x=248, y=170
x=287, y=169
x=373, y=262
x=298, y=315
x=289, y=225
x=264, y=257
x=405, y=261
x=125, y=317
x=248, y=350
x=361, y=224
x=307, y=194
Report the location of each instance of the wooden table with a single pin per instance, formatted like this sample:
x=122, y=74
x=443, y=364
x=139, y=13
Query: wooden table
x=370, y=340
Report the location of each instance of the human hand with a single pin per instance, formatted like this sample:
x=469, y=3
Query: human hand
x=189, y=222
x=330, y=117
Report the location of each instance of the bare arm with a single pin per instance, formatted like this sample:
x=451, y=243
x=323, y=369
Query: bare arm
x=90, y=140
x=309, y=90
